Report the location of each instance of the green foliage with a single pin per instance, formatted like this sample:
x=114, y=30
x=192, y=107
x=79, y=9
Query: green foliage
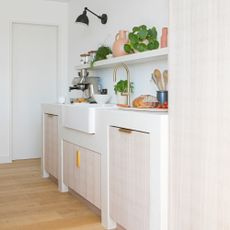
x=142, y=39
x=122, y=86
x=101, y=53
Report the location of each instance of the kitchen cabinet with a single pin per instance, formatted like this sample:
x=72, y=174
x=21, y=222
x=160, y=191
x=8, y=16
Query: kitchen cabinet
x=82, y=172
x=129, y=178
x=51, y=144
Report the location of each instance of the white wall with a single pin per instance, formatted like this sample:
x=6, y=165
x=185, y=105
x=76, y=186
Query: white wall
x=31, y=11
x=121, y=15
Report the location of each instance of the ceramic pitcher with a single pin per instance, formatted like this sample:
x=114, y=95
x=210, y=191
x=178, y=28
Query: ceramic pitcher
x=118, y=45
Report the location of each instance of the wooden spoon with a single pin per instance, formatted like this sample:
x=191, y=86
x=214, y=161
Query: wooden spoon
x=157, y=74
x=155, y=81
x=165, y=77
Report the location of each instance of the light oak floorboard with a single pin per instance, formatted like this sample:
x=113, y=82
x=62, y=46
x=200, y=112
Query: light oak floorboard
x=29, y=202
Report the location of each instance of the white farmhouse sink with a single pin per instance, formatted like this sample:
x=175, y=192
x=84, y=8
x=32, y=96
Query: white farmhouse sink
x=81, y=116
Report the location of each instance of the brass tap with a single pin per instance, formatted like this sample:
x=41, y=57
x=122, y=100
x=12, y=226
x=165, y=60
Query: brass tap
x=128, y=79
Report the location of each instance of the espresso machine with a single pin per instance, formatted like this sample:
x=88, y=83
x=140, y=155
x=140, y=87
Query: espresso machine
x=88, y=85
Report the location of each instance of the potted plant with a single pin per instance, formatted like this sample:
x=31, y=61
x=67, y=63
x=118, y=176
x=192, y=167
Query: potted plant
x=101, y=53
x=142, y=39
x=121, y=89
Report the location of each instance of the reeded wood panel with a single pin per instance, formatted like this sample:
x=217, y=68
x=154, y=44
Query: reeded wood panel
x=54, y=129
x=199, y=112
x=93, y=178
x=129, y=178
x=83, y=176
x=51, y=144
x=67, y=153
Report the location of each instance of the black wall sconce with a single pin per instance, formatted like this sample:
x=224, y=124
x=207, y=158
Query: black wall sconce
x=84, y=19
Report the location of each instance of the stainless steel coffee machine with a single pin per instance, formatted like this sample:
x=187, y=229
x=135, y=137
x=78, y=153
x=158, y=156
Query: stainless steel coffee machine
x=88, y=85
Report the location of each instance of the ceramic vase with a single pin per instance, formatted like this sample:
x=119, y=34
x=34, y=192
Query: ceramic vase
x=164, y=37
x=118, y=45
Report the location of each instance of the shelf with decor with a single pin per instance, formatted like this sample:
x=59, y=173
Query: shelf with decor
x=153, y=55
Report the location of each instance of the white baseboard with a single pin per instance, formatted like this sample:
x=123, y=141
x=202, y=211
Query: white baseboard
x=5, y=159
x=26, y=157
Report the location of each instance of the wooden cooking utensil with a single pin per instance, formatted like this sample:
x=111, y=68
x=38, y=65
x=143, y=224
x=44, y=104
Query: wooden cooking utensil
x=155, y=81
x=157, y=74
x=165, y=77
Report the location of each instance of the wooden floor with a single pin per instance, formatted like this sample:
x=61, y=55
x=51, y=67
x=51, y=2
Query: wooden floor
x=29, y=202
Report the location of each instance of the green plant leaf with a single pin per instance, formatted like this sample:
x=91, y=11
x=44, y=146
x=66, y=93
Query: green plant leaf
x=122, y=86
x=135, y=46
x=128, y=49
x=153, y=45
x=150, y=39
x=152, y=33
x=135, y=29
x=141, y=47
x=143, y=27
x=142, y=34
x=133, y=38
x=102, y=52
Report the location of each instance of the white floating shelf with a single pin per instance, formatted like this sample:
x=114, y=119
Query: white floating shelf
x=153, y=55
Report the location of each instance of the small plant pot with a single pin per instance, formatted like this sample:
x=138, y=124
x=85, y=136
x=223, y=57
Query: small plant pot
x=122, y=99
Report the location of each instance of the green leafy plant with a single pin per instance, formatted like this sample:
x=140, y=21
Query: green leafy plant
x=122, y=86
x=101, y=53
x=142, y=39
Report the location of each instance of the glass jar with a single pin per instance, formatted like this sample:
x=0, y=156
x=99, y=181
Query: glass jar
x=85, y=59
x=92, y=54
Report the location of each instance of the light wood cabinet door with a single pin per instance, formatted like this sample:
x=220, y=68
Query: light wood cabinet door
x=79, y=164
x=67, y=155
x=129, y=178
x=87, y=175
x=82, y=172
x=93, y=178
x=51, y=144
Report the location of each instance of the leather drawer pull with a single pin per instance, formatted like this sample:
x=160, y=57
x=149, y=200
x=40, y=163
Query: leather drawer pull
x=51, y=115
x=123, y=130
x=78, y=159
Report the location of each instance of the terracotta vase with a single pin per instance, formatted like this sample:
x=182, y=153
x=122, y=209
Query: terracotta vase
x=118, y=46
x=164, y=37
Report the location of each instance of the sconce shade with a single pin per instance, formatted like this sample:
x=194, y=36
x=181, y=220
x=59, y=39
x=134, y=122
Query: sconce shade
x=84, y=19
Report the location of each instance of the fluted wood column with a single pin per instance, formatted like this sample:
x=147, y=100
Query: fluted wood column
x=199, y=65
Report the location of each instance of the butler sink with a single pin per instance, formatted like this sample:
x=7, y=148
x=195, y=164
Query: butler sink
x=81, y=116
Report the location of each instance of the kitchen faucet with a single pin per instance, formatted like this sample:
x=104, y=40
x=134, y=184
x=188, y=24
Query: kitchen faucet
x=128, y=79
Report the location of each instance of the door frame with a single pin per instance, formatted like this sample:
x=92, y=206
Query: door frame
x=59, y=80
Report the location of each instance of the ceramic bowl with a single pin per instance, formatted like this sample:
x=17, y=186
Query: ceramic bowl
x=102, y=98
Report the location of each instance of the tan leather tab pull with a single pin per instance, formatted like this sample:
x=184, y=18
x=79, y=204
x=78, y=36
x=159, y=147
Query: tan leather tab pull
x=125, y=130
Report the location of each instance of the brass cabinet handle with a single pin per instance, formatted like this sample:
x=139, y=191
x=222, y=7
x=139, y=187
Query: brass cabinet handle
x=128, y=131
x=78, y=158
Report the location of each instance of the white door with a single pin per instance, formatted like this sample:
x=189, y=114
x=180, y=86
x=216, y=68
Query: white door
x=34, y=81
